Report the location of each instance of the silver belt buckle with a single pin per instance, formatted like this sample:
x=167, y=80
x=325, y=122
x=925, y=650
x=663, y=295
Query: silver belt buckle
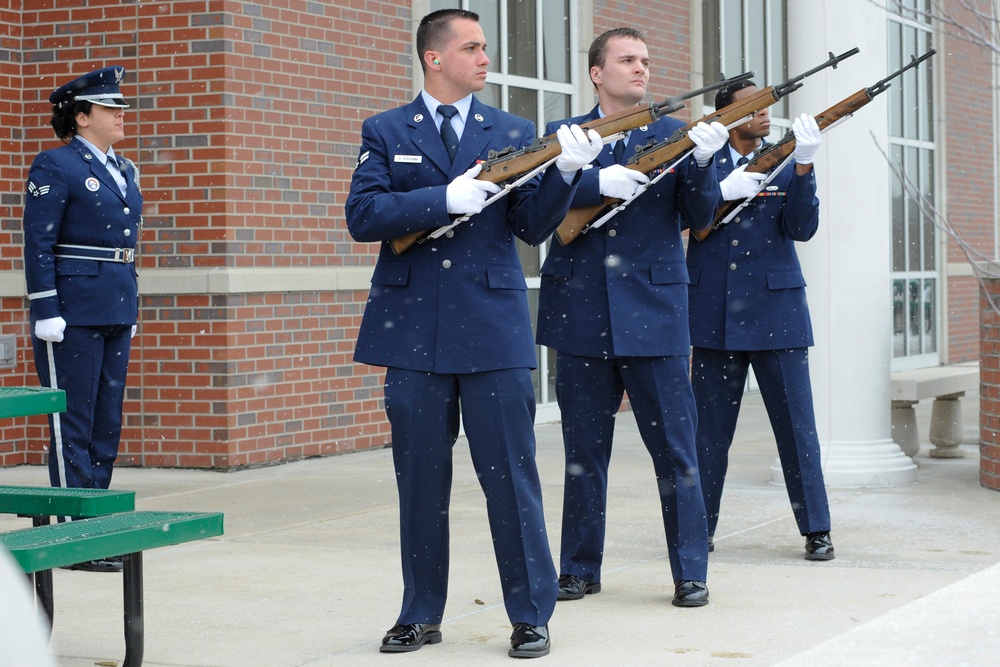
x=125, y=255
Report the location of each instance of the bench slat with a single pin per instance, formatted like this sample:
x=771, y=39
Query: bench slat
x=50, y=547
x=59, y=501
x=24, y=401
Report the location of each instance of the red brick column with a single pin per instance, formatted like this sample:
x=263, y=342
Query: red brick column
x=989, y=378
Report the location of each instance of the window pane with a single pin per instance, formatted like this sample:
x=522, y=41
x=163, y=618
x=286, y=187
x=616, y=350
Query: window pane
x=557, y=107
x=909, y=87
x=555, y=40
x=490, y=95
x=489, y=19
x=521, y=54
x=913, y=235
x=898, y=319
x=898, y=215
x=523, y=102
x=755, y=58
x=711, y=54
x=913, y=307
x=925, y=91
x=929, y=311
x=927, y=192
x=732, y=39
x=777, y=64
x=895, y=101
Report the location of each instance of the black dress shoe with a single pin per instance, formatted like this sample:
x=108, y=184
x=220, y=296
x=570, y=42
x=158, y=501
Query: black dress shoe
x=819, y=546
x=690, y=594
x=572, y=587
x=410, y=637
x=529, y=641
x=112, y=564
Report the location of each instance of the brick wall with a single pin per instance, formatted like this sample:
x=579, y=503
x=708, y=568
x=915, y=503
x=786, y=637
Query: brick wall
x=989, y=382
x=245, y=124
x=969, y=164
x=666, y=26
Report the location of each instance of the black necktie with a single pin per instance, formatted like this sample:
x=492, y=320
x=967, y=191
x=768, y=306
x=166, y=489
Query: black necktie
x=447, y=130
x=742, y=161
x=619, y=149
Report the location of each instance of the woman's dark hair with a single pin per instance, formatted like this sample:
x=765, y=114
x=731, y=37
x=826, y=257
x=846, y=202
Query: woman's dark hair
x=64, y=119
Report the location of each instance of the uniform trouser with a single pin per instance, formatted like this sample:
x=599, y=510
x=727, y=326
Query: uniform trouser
x=90, y=365
x=498, y=412
x=589, y=392
x=718, y=377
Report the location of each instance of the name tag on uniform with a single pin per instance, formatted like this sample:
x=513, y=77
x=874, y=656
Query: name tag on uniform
x=409, y=159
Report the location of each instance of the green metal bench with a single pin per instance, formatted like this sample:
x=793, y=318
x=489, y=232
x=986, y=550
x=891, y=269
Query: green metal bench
x=25, y=401
x=128, y=534
x=42, y=502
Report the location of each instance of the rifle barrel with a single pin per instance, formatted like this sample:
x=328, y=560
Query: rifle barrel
x=884, y=83
x=790, y=85
x=674, y=103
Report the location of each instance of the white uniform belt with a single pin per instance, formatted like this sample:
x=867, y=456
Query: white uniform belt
x=121, y=255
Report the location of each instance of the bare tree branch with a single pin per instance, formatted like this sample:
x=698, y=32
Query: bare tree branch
x=943, y=223
x=981, y=27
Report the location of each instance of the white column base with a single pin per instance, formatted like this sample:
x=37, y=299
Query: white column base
x=852, y=465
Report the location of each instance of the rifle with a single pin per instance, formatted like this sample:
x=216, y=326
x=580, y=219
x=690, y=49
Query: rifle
x=675, y=148
x=779, y=154
x=522, y=165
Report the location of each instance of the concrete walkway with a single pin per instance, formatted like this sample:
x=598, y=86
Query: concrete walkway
x=307, y=572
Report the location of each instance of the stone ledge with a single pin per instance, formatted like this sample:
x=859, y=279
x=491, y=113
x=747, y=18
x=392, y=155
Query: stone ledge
x=224, y=280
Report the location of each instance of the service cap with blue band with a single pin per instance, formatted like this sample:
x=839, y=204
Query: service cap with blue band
x=98, y=87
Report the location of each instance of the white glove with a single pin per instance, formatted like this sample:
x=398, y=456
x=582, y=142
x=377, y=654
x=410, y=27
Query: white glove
x=467, y=196
x=578, y=149
x=135, y=327
x=708, y=139
x=741, y=184
x=807, y=139
x=51, y=329
x=620, y=182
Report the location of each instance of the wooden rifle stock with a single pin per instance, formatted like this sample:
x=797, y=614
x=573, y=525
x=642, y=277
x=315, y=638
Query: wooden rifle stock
x=508, y=164
x=651, y=156
x=667, y=151
x=775, y=154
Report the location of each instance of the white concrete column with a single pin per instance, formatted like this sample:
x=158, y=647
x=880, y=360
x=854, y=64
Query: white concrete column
x=847, y=263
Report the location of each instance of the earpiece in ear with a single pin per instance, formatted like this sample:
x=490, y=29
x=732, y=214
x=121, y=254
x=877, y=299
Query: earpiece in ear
x=436, y=61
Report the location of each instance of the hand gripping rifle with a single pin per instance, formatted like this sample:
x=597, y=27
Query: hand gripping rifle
x=778, y=155
x=665, y=155
x=511, y=168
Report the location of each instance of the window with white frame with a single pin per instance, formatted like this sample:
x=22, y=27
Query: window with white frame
x=915, y=284
x=530, y=44
x=744, y=35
